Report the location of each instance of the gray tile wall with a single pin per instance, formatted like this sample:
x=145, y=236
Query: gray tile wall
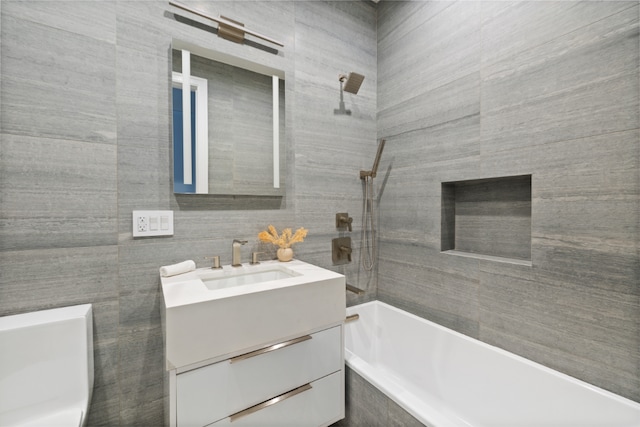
x=471, y=90
x=366, y=406
x=85, y=127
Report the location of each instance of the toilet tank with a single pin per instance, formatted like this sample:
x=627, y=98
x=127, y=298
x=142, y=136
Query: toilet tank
x=46, y=367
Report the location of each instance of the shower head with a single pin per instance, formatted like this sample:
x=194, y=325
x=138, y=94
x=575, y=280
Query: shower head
x=348, y=83
x=351, y=82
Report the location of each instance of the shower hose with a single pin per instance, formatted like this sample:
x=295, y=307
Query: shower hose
x=368, y=245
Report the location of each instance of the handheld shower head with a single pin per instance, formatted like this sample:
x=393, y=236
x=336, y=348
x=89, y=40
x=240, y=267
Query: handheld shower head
x=352, y=82
x=374, y=170
x=376, y=162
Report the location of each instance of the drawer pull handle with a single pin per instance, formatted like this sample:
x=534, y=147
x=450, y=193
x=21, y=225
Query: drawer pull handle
x=270, y=348
x=270, y=402
x=351, y=318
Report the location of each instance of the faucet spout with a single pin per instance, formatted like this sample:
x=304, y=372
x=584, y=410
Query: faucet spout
x=236, y=260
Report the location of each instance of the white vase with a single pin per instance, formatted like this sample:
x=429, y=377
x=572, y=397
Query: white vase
x=285, y=254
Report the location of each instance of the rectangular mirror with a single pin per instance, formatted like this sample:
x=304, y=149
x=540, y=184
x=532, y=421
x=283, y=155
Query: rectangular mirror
x=236, y=130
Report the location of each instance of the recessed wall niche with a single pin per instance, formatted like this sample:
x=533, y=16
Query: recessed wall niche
x=489, y=218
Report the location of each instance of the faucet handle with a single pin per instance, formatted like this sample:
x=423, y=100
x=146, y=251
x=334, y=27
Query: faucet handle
x=216, y=261
x=241, y=242
x=346, y=250
x=254, y=258
x=342, y=219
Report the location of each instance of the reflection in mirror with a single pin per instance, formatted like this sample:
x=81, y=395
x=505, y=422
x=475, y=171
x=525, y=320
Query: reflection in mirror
x=237, y=128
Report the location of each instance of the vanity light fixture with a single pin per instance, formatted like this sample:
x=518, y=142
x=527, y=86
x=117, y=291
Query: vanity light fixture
x=227, y=28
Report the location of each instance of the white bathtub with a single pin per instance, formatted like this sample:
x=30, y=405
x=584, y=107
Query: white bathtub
x=445, y=379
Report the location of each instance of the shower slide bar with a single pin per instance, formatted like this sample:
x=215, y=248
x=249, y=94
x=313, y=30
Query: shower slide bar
x=225, y=22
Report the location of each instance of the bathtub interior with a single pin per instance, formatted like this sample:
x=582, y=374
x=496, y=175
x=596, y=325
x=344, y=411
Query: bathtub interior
x=458, y=381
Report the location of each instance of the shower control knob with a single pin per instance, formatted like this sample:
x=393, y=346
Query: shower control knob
x=341, y=250
x=346, y=250
x=343, y=219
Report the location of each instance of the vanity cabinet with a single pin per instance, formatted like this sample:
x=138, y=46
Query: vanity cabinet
x=297, y=382
x=256, y=345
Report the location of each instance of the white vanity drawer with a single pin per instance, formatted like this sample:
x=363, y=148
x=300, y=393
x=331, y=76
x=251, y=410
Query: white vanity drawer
x=317, y=404
x=213, y=392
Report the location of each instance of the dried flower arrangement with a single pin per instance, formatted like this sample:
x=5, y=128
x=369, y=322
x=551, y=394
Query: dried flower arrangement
x=284, y=240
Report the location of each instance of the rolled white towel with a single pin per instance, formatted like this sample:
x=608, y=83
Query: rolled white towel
x=179, y=268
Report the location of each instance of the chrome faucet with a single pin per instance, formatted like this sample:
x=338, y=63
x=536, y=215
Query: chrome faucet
x=236, y=260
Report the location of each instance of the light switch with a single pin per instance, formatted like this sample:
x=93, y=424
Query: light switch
x=164, y=222
x=153, y=223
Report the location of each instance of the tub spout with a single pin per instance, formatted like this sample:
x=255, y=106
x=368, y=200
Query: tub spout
x=352, y=318
x=355, y=290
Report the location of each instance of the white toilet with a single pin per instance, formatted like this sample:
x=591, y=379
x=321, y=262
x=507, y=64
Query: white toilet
x=46, y=367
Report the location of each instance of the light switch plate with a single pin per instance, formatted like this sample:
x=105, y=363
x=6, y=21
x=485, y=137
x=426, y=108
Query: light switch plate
x=152, y=223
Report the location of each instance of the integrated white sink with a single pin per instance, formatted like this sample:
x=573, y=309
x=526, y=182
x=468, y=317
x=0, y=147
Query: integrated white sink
x=273, y=272
x=215, y=314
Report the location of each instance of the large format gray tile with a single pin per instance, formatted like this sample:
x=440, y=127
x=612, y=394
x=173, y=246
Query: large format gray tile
x=452, y=101
x=48, y=278
x=141, y=382
x=440, y=147
x=430, y=55
x=570, y=258
x=105, y=403
x=365, y=404
x=96, y=20
x=398, y=417
x=576, y=86
x=105, y=406
x=57, y=193
x=146, y=26
x=513, y=27
x=440, y=287
x=397, y=19
x=48, y=92
x=143, y=96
